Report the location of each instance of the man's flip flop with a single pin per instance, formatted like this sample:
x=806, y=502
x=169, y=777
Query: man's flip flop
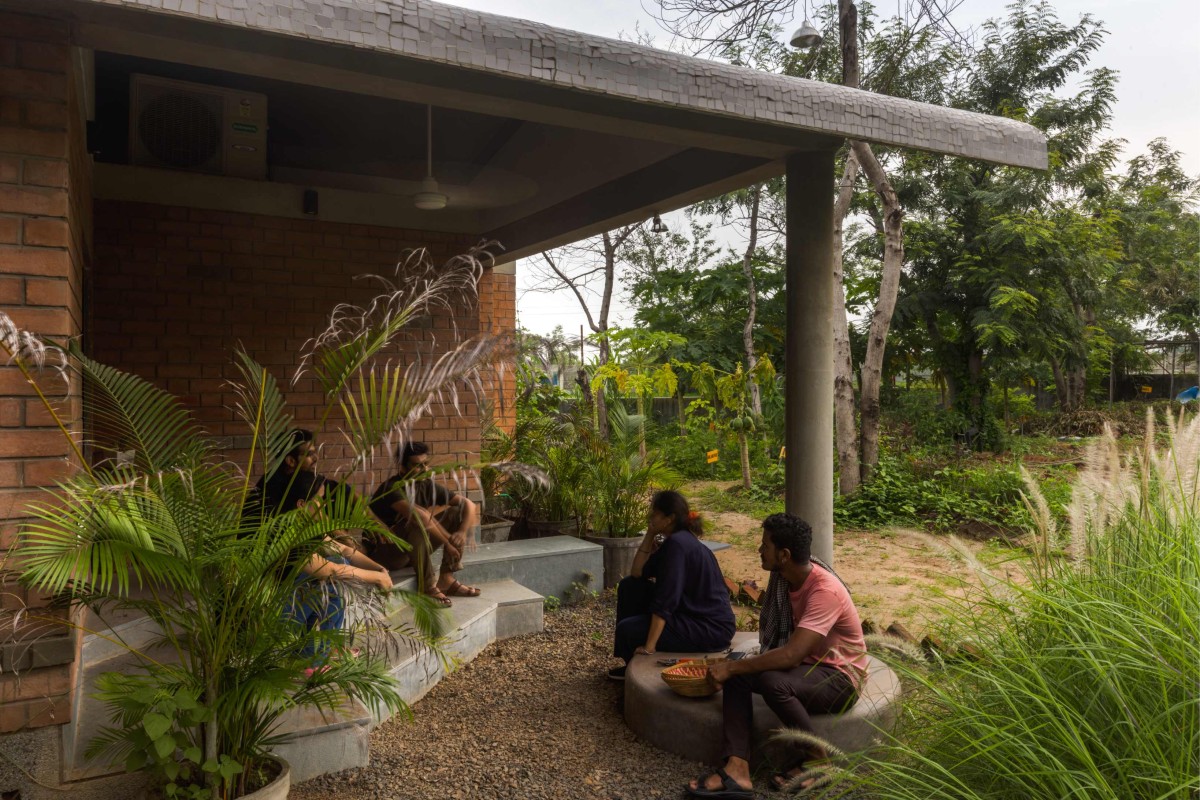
x=457, y=589
x=730, y=790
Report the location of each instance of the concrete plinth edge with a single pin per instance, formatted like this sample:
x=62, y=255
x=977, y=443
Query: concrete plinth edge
x=691, y=727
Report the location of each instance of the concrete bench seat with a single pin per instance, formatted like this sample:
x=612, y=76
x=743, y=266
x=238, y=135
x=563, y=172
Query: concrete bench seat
x=691, y=726
x=554, y=565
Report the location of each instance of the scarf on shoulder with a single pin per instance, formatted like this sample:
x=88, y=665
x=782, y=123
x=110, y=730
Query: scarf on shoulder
x=775, y=621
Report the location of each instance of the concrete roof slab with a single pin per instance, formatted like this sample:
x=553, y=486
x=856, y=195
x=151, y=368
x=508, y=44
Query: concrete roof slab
x=614, y=70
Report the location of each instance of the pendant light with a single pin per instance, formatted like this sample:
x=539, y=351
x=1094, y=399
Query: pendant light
x=806, y=36
x=429, y=198
x=658, y=226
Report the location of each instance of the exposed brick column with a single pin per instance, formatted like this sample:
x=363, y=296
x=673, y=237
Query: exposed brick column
x=498, y=315
x=45, y=211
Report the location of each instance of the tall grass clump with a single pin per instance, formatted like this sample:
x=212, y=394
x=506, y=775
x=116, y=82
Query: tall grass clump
x=1083, y=678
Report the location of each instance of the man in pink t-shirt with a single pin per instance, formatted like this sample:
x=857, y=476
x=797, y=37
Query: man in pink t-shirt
x=818, y=671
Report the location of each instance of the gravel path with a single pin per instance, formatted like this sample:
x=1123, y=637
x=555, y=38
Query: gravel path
x=531, y=717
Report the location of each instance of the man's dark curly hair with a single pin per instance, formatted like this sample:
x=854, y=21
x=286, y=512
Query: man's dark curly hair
x=789, y=532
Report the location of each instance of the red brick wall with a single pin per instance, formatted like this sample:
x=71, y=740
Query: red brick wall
x=498, y=314
x=45, y=209
x=176, y=289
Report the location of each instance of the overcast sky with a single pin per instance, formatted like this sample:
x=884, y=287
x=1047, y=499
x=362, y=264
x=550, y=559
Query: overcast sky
x=1153, y=44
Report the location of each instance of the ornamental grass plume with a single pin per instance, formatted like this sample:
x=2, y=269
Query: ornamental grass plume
x=1085, y=684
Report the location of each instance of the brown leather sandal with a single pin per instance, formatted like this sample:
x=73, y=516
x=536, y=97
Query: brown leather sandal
x=457, y=589
x=440, y=598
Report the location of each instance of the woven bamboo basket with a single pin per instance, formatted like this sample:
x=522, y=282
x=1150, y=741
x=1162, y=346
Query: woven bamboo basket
x=687, y=678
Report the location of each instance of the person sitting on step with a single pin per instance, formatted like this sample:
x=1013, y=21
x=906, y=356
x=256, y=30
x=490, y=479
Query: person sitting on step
x=301, y=457
x=675, y=599
x=316, y=602
x=813, y=661
x=428, y=516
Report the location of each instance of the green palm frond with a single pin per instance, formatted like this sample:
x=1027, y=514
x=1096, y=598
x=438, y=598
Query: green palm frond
x=260, y=405
x=384, y=402
x=130, y=413
x=621, y=480
x=98, y=538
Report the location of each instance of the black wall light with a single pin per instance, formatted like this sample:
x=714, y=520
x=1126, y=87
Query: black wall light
x=310, y=202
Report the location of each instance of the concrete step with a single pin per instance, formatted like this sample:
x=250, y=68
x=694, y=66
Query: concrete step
x=504, y=609
x=316, y=743
x=89, y=714
x=555, y=565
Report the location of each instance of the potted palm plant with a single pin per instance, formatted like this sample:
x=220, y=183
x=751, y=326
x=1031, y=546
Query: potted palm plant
x=620, y=481
x=547, y=489
x=200, y=710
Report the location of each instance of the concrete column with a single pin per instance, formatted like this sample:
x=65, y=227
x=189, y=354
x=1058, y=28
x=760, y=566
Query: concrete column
x=810, y=357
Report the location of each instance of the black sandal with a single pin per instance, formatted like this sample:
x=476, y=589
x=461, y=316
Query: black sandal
x=730, y=789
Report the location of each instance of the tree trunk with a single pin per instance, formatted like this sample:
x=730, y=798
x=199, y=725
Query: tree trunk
x=1061, y=390
x=601, y=402
x=885, y=305
x=843, y=380
x=845, y=428
x=1078, y=386
x=744, y=453
x=682, y=414
x=211, y=754
x=641, y=407
x=585, y=389
x=848, y=32
x=752, y=304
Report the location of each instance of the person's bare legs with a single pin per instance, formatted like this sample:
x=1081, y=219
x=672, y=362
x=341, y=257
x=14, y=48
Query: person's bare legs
x=421, y=556
x=459, y=521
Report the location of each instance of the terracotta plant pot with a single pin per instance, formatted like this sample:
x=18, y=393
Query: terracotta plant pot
x=618, y=556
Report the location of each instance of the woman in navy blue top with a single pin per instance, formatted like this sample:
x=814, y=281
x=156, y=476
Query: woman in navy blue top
x=676, y=599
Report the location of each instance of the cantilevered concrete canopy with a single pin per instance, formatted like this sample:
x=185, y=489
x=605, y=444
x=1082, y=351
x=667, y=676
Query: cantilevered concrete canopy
x=541, y=137
x=590, y=132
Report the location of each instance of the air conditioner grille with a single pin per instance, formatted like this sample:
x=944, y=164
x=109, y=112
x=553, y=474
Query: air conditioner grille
x=182, y=130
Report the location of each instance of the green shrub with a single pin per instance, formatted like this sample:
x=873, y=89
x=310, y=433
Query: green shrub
x=917, y=415
x=944, y=497
x=1085, y=681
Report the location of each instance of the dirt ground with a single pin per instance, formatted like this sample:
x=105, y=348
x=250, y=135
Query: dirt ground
x=895, y=575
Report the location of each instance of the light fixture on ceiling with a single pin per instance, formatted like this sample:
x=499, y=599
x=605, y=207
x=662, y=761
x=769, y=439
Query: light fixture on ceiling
x=806, y=36
x=658, y=226
x=429, y=198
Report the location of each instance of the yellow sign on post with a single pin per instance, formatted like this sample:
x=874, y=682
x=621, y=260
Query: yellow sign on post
x=1147, y=389
x=714, y=456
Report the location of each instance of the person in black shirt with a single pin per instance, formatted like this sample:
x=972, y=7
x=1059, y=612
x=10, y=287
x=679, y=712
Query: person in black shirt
x=270, y=489
x=676, y=599
x=428, y=516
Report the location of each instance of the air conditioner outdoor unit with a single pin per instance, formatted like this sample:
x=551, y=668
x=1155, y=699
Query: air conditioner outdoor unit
x=190, y=126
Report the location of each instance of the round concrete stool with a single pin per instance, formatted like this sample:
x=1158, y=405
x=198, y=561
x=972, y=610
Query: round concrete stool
x=691, y=726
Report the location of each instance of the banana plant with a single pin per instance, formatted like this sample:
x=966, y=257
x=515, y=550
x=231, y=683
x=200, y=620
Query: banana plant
x=637, y=368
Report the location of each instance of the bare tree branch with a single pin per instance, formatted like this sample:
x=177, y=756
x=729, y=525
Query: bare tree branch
x=570, y=283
